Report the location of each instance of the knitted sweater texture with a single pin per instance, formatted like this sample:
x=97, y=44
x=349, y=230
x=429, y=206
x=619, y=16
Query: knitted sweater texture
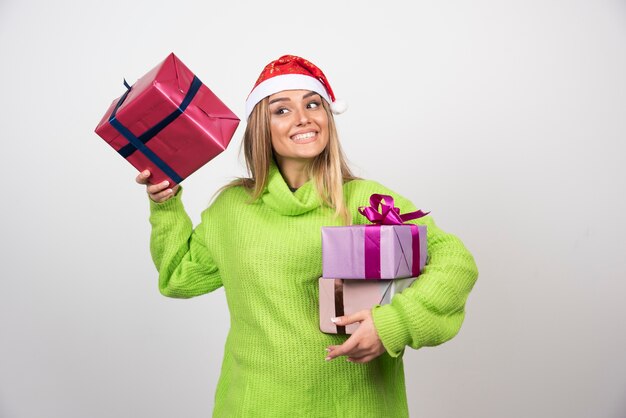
x=268, y=257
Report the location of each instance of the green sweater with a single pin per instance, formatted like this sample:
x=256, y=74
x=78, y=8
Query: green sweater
x=268, y=257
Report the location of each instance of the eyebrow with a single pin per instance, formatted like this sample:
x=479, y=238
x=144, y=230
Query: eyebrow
x=286, y=99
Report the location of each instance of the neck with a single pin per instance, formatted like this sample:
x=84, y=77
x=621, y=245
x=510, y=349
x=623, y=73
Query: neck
x=294, y=171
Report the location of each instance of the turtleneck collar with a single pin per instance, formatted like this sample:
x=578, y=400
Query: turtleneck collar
x=280, y=198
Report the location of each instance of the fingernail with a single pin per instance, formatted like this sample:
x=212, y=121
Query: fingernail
x=328, y=358
x=166, y=183
x=348, y=360
x=328, y=349
x=334, y=320
x=169, y=191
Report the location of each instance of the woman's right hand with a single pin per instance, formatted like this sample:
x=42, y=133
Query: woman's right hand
x=159, y=193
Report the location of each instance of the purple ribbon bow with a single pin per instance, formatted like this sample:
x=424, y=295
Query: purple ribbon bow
x=382, y=211
x=386, y=213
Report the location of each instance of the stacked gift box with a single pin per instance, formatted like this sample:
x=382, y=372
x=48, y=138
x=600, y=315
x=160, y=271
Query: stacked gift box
x=366, y=265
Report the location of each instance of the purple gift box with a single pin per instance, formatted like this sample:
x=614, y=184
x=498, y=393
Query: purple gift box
x=388, y=249
x=373, y=251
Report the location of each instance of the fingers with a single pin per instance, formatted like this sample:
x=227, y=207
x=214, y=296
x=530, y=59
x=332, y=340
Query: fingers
x=154, y=189
x=362, y=352
x=362, y=346
x=352, y=342
x=351, y=319
x=142, y=178
x=162, y=195
x=157, y=192
x=361, y=360
x=357, y=352
x=343, y=349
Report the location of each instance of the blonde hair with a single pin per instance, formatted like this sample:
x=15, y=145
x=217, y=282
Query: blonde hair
x=329, y=170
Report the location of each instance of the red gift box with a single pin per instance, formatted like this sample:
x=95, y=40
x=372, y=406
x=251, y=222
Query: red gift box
x=168, y=122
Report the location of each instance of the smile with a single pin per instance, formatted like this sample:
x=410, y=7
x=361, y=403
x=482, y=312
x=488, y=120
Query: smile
x=303, y=137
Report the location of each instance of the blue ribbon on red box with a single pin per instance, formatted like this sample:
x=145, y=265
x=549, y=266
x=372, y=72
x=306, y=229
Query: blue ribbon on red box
x=138, y=143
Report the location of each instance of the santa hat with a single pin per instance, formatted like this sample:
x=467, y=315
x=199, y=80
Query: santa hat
x=290, y=72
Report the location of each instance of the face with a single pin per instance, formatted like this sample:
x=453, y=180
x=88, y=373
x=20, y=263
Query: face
x=298, y=124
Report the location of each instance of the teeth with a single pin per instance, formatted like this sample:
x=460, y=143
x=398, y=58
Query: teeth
x=301, y=137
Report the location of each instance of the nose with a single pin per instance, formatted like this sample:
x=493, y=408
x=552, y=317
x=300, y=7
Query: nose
x=302, y=117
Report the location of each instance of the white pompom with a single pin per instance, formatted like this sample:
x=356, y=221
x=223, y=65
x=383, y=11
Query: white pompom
x=338, y=107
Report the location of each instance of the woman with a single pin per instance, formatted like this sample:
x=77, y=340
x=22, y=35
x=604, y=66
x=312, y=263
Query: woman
x=260, y=239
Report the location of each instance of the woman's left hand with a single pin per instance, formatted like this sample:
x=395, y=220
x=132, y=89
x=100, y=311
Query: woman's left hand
x=364, y=345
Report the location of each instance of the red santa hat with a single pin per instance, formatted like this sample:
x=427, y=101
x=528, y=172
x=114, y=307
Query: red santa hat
x=290, y=72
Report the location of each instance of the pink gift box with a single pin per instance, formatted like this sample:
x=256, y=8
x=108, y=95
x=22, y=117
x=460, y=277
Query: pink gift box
x=340, y=297
x=373, y=251
x=168, y=122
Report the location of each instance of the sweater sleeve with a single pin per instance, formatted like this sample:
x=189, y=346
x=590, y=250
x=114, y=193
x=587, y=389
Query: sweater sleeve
x=180, y=254
x=431, y=310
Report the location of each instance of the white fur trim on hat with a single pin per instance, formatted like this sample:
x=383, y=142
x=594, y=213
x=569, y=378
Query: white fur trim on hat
x=284, y=82
x=338, y=106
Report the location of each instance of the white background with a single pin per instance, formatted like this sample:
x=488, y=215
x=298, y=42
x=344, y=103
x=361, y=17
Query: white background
x=506, y=119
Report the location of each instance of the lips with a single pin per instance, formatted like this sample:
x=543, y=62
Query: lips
x=304, y=137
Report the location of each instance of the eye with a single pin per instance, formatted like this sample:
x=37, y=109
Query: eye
x=314, y=104
x=281, y=111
